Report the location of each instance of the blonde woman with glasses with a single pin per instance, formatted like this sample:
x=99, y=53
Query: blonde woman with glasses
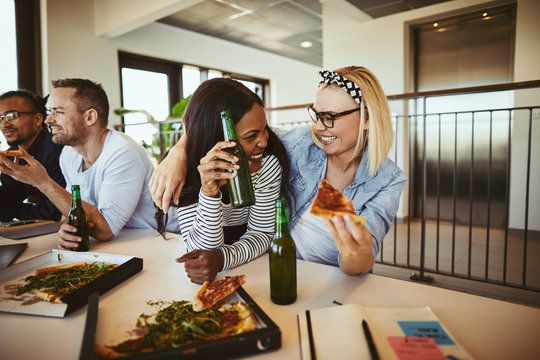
x=347, y=145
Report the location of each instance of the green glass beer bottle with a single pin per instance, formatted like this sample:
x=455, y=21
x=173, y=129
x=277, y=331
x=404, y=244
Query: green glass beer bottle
x=282, y=255
x=240, y=187
x=77, y=217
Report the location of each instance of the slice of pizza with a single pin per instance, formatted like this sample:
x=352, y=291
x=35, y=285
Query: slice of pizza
x=211, y=293
x=177, y=325
x=330, y=202
x=14, y=153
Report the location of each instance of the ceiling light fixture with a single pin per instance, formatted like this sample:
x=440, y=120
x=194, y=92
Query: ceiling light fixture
x=435, y=24
x=484, y=14
x=306, y=44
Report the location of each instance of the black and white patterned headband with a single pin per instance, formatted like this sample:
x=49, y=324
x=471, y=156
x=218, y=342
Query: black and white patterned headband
x=330, y=77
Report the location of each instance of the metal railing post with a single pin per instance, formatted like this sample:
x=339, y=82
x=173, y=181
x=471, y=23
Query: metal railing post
x=422, y=276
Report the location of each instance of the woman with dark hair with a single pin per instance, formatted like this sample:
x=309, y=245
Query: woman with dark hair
x=218, y=236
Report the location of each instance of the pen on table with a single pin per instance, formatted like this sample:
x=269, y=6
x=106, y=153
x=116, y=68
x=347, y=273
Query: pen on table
x=369, y=338
x=17, y=223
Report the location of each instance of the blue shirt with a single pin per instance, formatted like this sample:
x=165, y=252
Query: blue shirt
x=13, y=192
x=375, y=196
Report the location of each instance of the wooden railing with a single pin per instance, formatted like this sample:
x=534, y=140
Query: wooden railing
x=456, y=91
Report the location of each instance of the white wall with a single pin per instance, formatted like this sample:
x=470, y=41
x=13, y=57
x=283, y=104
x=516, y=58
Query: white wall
x=73, y=50
x=382, y=45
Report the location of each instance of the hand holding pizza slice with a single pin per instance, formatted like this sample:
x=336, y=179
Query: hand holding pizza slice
x=351, y=238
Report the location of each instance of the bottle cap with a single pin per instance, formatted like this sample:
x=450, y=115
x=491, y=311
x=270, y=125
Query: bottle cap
x=281, y=203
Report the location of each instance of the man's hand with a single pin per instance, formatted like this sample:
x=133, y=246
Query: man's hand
x=202, y=265
x=168, y=179
x=33, y=173
x=354, y=244
x=65, y=238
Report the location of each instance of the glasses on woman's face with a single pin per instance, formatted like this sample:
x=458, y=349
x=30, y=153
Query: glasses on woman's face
x=327, y=119
x=12, y=116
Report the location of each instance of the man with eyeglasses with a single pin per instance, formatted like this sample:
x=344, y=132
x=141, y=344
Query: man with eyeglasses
x=22, y=122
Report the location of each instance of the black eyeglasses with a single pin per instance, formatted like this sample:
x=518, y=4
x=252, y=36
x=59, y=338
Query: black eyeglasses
x=12, y=116
x=327, y=119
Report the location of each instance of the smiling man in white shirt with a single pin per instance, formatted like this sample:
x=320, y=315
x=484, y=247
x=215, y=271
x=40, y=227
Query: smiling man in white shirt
x=112, y=170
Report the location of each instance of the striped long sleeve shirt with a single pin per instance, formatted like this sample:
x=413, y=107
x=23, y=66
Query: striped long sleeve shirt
x=201, y=223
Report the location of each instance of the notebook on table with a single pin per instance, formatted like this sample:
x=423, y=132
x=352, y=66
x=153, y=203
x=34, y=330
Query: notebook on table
x=8, y=253
x=392, y=333
x=26, y=231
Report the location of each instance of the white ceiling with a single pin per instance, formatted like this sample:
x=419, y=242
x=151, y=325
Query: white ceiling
x=277, y=26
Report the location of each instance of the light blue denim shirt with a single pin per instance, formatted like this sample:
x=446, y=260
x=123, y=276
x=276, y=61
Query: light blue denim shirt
x=376, y=196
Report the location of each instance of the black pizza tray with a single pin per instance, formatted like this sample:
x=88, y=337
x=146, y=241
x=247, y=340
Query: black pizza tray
x=266, y=337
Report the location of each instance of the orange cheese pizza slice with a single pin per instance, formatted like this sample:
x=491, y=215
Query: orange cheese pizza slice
x=14, y=153
x=211, y=293
x=330, y=202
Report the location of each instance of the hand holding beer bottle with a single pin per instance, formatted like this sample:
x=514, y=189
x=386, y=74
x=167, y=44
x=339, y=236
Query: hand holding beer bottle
x=240, y=187
x=77, y=217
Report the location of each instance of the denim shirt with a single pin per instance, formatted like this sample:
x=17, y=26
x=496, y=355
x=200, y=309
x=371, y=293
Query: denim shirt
x=376, y=196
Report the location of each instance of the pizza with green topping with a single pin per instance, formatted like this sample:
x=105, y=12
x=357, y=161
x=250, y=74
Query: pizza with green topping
x=176, y=324
x=52, y=283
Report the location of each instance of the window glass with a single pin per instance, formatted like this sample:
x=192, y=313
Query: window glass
x=256, y=88
x=214, y=74
x=156, y=85
x=8, y=60
x=153, y=97
x=191, y=79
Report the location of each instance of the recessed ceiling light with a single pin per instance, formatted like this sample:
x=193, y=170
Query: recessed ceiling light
x=435, y=24
x=484, y=14
x=306, y=44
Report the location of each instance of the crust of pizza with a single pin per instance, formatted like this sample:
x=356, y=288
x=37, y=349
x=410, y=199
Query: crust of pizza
x=50, y=269
x=48, y=295
x=211, y=293
x=330, y=202
x=14, y=153
x=103, y=352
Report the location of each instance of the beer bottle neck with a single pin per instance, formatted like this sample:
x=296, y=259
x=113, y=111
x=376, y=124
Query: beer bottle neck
x=76, y=198
x=229, y=133
x=282, y=221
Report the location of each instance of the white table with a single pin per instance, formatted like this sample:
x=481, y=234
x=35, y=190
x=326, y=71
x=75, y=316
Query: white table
x=486, y=328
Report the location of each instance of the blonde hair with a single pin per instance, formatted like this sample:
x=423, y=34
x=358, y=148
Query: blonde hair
x=380, y=132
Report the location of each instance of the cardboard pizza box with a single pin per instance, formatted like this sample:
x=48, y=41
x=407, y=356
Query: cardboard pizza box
x=13, y=277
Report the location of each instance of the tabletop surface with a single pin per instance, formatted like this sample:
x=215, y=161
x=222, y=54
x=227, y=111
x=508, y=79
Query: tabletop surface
x=485, y=327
